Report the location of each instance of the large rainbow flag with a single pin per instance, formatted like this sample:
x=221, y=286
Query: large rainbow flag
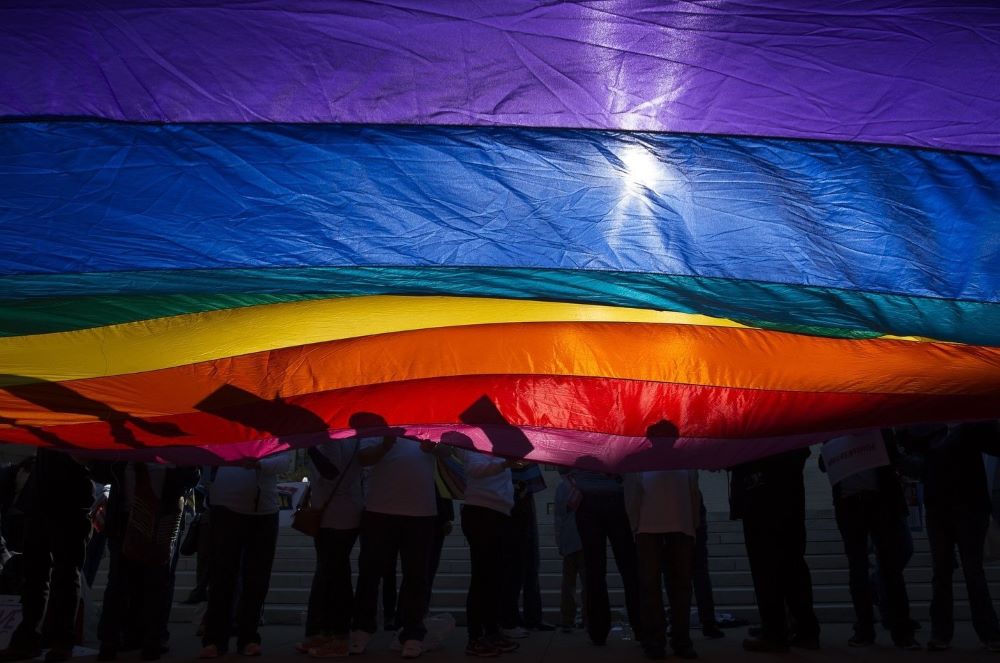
x=614, y=234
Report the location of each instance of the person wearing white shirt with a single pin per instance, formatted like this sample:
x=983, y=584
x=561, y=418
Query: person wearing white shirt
x=400, y=512
x=663, y=510
x=334, y=487
x=244, y=514
x=489, y=498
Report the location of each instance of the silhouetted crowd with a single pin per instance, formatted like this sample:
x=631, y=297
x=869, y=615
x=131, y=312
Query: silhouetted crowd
x=62, y=515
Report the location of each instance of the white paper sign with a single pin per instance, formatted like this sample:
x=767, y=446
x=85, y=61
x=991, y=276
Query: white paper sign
x=850, y=454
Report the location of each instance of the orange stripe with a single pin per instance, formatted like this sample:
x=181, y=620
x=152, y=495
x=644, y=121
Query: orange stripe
x=711, y=356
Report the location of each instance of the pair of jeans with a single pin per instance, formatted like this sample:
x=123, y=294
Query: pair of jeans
x=243, y=548
x=701, y=580
x=670, y=554
x=331, y=597
x=870, y=515
x=55, y=545
x=946, y=529
x=776, y=545
x=601, y=518
x=484, y=530
x=382, y=535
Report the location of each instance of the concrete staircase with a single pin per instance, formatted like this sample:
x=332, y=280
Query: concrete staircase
x=734, y=594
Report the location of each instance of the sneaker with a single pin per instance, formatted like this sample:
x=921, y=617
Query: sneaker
x=503, y=644
x=861, y=640
x=312, y=642
x=209, y=651
x=938, y=645
x=713, y=632
x=331, y=648
x=992, y=645
x=251, y=649
x=107, y=653
x=517, y=632
x=482, y=648
x=908, y=644
x=359, y=642
x=413, y=649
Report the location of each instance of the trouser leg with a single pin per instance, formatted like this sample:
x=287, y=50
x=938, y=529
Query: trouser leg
x=341, y=605
x=590, y=524
x=69, y=547
x=679, y=555
x=941, y=538
x=972, y=527
x=889, y=547
x=260, y=533
x=227, y=549
x=650, y=567
x=414, y=555
x=765, y=570
x=701, y=579
x=623, y=547
x=853, y=531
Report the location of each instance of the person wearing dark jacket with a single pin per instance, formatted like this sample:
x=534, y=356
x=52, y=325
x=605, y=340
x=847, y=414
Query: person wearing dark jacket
x=869, y=505
x=142, y=524
x=55, y=542
x=958, y=506
x=769, y=496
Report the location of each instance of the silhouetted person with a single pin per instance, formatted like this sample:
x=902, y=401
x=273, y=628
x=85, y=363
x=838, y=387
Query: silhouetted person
x=400, y=513
x=601, y=518
x=769, y=496
x=869, y=505
x=335, y=487
x=663, y=511
x=567, y=500
x=521, y=558
x=489, y=498
x=142, y=523
x=958, y=511
x=244, y=513
x=55, y=543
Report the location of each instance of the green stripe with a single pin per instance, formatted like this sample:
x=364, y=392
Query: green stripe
x=802, y=309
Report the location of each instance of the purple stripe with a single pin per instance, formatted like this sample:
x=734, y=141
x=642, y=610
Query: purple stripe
x=868, y=71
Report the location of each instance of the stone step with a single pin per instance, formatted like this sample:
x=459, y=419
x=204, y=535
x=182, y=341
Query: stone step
x=837, y=613
x=459, y=550
x=817, y=562
x=449, y=594
x=720, y=579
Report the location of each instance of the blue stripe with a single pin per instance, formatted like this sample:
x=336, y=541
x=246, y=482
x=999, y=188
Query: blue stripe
x=819, y=311
x=84, y=197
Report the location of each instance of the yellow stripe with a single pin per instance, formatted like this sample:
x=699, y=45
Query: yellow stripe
x=185, y=339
